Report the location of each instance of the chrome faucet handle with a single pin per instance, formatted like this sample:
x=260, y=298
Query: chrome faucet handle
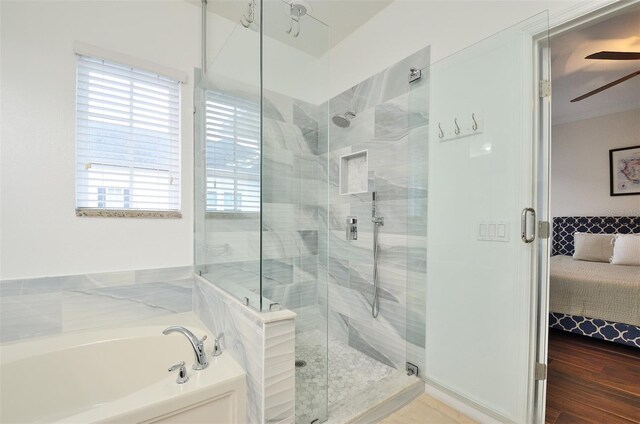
x=182, y=373
x=217, y=347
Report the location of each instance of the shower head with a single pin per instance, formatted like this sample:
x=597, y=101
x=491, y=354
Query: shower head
x=343, y=121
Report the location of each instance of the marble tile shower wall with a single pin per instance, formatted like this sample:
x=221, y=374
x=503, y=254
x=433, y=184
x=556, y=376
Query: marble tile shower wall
x=385, y=125
x=37, y=307
x=290, y=216
x=263, y=344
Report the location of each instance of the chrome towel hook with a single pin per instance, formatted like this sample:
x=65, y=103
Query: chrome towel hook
x=290, y=20
x=297, y=23
x=475, y=123
x=247, y=19
x=440, y=131
x=457, y=130
x=296, y=11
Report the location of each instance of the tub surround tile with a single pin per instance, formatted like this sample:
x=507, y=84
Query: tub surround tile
x=30, y=315
x=83, y=309
x=174, y=275
x=51, y=305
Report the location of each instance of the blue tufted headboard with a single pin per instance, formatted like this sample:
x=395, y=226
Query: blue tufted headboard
x=565, y=226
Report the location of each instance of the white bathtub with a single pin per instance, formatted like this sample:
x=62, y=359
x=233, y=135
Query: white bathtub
x=118, y=376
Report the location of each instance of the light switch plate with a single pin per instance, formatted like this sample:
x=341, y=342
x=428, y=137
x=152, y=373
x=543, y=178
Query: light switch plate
x=492, y=230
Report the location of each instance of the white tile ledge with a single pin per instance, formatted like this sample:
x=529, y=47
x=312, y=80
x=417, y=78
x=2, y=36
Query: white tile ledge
x=255, y=315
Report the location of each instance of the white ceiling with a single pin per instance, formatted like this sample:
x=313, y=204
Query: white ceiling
x=330, y=21
x=573, y=75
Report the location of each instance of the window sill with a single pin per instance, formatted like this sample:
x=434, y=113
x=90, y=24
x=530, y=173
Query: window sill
x=232, y=215
x=125, y=213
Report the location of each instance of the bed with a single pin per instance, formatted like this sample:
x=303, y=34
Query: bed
x=595, y=299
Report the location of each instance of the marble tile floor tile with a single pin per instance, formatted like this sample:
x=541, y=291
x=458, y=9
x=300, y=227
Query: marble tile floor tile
x=350, y=372
x=426, y=410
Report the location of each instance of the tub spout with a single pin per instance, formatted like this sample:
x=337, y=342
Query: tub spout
x=198, y=345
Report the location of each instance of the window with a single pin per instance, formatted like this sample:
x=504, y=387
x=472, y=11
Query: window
x=127, y=138
x=232, y=153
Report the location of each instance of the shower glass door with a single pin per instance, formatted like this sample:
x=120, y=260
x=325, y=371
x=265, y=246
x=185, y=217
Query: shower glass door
x=481, y=313
x=294, y=133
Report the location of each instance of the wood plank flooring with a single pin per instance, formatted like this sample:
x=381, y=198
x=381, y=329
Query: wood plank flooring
x=591, y=381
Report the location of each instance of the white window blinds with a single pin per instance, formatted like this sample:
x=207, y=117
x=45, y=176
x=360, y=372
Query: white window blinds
x=127, y=138
x=232, y=153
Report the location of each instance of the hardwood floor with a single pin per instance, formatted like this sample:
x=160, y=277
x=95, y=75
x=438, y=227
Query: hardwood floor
x=591, y=381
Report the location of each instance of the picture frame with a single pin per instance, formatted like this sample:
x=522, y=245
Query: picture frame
x=624, y=171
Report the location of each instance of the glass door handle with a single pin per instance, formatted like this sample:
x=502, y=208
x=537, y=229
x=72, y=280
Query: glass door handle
x=527, y=236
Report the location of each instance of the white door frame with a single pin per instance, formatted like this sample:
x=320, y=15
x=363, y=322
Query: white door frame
x=587, y=12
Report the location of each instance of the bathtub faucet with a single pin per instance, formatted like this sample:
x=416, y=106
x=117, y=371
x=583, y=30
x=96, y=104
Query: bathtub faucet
x=198, y=345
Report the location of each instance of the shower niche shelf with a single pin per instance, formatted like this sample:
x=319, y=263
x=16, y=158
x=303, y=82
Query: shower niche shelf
x=354, y=173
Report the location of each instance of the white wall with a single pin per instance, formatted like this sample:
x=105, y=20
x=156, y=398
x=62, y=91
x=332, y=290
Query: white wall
x=405, y=26
x=40, y=234
x=580, y=165
x=234, y=53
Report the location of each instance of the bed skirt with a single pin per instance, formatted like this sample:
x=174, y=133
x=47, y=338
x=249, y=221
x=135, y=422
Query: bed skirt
x=616, y=332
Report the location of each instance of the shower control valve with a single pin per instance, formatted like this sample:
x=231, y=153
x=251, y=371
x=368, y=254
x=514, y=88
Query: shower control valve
x=352, y=228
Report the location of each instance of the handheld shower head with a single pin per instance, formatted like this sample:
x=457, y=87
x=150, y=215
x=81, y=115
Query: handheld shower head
x=344, y=120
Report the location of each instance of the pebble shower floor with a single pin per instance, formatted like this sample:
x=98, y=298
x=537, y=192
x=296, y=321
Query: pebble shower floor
x=350, y=372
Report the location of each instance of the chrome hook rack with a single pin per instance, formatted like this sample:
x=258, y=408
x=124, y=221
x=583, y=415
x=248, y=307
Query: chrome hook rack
x=460, y=127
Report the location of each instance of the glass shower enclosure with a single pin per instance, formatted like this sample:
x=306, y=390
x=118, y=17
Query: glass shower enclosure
x=279, y=169
x=259, y=134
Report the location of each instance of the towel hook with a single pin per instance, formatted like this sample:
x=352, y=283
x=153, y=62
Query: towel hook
x=296, y=11
x=290, y=20
x=475, y=123
x=440, y=132
x=457, y=130
x=297, y=23
x=247, y=19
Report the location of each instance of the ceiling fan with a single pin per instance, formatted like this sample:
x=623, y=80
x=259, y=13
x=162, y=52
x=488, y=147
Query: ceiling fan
x=606, y=55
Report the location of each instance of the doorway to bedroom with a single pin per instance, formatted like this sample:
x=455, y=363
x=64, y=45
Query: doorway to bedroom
x=593, y=357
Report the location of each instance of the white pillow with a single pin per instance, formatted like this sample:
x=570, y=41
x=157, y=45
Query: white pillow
x=626, y=250
x=593, y=247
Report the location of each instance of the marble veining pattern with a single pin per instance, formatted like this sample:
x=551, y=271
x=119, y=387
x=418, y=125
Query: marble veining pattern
x=264, y=349
x=37, y=307
x=307, y=265
x=241, y=335
x=279, y=373
x=390, y=125
x=288, y=232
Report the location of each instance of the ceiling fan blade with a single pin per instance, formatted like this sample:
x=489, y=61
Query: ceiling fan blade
x=606, y=55
x=606, y=86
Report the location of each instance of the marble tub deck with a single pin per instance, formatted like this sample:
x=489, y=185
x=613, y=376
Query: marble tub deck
x=355, y=382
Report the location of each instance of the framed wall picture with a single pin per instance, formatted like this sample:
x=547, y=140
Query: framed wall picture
x=624, y=171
